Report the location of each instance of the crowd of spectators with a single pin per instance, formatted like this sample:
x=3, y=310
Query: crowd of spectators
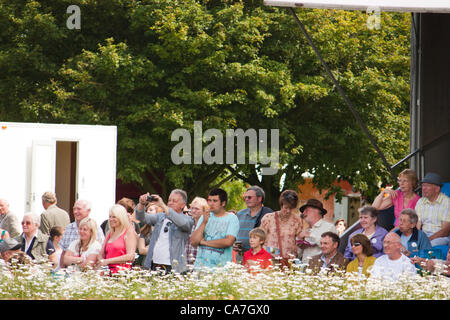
x=200, y=236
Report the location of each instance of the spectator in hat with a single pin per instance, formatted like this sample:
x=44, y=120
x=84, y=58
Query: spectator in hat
x=368, y=219
x=402, y=198
x=309, y=240
x=53, y=216
x=8, y=220
x=433, y=210
x=8, y=248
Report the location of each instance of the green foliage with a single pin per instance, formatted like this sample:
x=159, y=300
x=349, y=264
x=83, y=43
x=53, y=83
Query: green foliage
x=152, y=66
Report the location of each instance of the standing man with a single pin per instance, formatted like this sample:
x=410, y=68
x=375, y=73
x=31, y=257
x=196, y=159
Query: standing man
x=53, y=216
x=81, y=210
x=8, y=220
x=167, y=249
x=329, y=257
x=393, y=263
x=433, y=210
x=250, y=217
x=313, y=212
x=215, y=233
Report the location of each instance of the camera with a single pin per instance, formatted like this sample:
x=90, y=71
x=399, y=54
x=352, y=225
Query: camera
x=152, y=198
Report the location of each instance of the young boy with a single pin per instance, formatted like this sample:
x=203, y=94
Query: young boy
x=257, y=255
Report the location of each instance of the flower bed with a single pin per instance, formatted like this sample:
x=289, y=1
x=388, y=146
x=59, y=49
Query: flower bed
x=232, y=282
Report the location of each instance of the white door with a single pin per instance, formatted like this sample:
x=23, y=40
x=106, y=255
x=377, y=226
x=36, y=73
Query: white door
x=42, y=172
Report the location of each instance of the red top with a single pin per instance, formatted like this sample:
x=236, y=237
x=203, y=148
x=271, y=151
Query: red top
x=114, y=249
x=262, y=257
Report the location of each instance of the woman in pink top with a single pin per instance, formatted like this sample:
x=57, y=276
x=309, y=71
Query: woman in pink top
x=403, y=198
x=119, y=248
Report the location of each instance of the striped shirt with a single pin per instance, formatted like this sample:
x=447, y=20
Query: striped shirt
x=433, y=214
x=246, y=224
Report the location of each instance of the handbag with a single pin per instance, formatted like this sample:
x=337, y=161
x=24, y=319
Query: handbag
x=284, y=261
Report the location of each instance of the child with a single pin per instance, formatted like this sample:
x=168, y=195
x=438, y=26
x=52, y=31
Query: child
x=257, y=255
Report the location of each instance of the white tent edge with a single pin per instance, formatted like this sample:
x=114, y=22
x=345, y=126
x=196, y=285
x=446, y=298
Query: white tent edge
x=429, y=6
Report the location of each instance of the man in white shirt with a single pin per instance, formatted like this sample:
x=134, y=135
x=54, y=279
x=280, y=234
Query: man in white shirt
x=393, y=263
x=312, y=212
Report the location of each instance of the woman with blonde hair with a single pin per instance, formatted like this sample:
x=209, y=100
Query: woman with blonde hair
x=402, y=198
x=119, y=248
x=83, y=252
x=198, y=206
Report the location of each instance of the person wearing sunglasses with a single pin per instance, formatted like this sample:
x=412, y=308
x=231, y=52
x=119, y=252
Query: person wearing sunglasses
x=363, y=251
x=250, y=218
x=167, y=249
x=402, y=198
x=34, y=243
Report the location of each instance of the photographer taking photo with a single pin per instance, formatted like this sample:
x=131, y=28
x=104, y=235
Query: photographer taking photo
x=171, y=231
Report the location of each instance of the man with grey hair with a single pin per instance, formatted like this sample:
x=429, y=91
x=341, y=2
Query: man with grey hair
x=250, y=218
x=81, y=210
x=35, y=244
x=8, y=220
x=53, y=216
x=393, y=263
x=413, y=239
x=167, y=249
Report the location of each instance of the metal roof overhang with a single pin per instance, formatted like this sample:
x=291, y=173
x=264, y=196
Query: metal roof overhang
x=428, y=6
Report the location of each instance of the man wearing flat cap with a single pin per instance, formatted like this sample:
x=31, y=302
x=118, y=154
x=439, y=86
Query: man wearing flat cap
x=312, y=212
x=433, y=210
x=8, y=247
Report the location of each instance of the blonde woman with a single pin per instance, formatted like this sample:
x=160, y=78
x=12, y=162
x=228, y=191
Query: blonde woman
x=83, y=252
x=119, y=248
x=197, y=208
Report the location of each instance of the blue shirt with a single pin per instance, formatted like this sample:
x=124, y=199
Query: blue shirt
x=216, y=228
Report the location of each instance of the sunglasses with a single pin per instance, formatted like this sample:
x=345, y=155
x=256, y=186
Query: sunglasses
x=356, y=244
x=166, y=228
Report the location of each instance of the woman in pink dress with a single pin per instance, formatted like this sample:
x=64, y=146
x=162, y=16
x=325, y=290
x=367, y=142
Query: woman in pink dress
x=119, y=248
x=402, y=198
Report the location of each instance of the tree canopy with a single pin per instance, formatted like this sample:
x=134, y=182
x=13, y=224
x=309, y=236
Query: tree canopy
x=153, y=66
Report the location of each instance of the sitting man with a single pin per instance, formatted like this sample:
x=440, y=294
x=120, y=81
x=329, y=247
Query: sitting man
x=413, y=240
x=34, y=243
x=433, y=210
x=393, y=263
x=329, y=258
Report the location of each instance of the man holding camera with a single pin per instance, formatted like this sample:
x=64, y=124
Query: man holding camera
x=172, y=228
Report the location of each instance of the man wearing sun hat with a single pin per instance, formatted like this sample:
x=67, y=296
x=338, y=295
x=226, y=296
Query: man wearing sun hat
x=433, y=210
x=312, y=212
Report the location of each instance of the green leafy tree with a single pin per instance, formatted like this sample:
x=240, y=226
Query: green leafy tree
x=151, y=67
